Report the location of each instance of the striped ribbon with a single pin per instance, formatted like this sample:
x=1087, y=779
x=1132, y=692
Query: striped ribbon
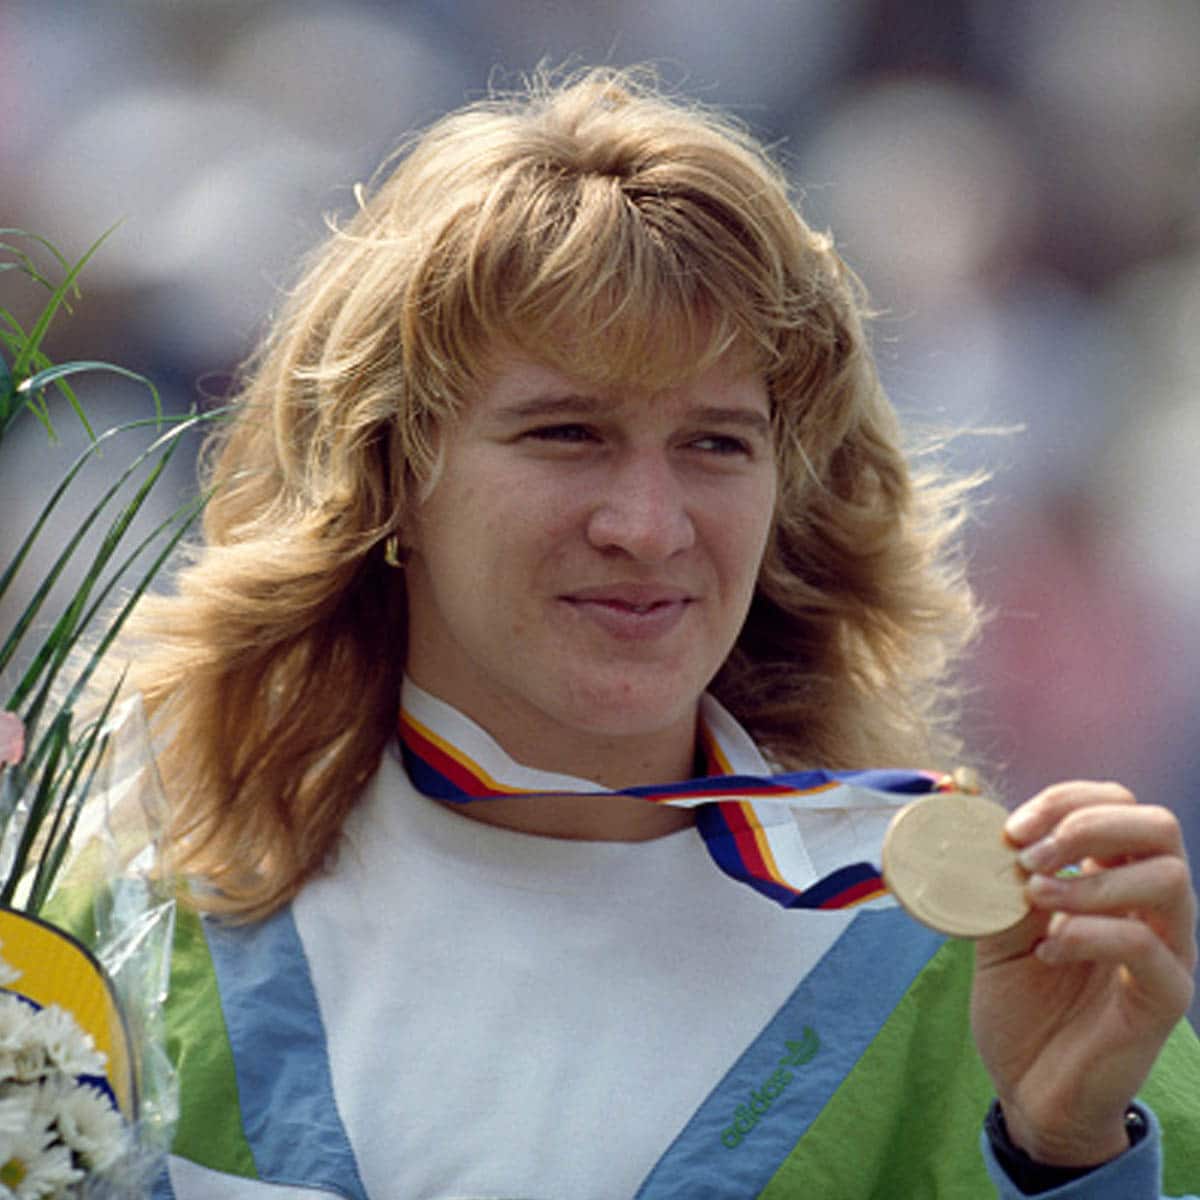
x=745, y=820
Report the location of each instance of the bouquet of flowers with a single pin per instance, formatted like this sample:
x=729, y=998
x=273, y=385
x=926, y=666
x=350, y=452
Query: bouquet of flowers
x=59, y=1118
x=87, y=1098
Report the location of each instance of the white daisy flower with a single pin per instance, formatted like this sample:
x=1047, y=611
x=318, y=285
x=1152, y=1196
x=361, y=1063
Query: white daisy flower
x=28, y=1064
x=90, y=1126
x=45, y=1175
x=14, y=1113
x=33, y=1169
x=68, y=1047
x=44, y=1097
x=16, y=1032
x=55, y=1131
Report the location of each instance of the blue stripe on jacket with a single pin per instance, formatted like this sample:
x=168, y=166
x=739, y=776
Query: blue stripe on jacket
x=285, y=1087
x=753, y=1119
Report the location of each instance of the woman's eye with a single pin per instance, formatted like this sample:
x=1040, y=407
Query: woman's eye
x=561, y=433
x=716, y=443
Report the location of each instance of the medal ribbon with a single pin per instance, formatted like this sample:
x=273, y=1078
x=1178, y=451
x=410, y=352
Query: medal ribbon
x=746, y=820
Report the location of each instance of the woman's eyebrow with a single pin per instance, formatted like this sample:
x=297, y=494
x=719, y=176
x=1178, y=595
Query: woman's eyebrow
x=553, y=404
x=558, y=404
x=750, y=419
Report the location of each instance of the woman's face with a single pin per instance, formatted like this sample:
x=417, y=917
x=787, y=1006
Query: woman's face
x=585, y=561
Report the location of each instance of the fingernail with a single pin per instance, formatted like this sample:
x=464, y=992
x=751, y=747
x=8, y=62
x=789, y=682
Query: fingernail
x=1019, y=825
x=1039, y=856
x=1047, y=951
x=1045, y=887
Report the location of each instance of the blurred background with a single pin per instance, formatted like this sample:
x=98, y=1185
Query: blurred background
x=1017, y=181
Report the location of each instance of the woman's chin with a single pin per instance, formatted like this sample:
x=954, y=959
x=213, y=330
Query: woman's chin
x=626, y=711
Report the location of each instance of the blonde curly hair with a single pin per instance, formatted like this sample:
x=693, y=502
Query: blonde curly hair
x=589, y=222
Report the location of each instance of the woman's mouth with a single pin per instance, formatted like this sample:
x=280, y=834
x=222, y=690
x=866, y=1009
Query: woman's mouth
x=633, y=616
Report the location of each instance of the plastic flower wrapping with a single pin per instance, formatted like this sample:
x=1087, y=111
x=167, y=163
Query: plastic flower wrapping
x=87, y=1095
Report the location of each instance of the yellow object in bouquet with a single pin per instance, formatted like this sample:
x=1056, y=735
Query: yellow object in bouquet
x=56, y=969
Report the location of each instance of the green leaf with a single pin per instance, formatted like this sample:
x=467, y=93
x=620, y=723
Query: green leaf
x=33, y=344
x=6, y=578
x=184, y=517
x=41, y=241
x=54, y=745
x=68, y=806
x=42, y=797
x=20, y=398
x=65, y=633
x=57, y=300
x=78, y=620
x=25, y=263
x=43, y=379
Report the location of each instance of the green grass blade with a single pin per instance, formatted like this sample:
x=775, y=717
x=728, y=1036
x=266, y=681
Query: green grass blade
x=88, y=755
x=58, y=297
x=57, y=740
x=12, y=334
x=24, y=262
x=42, y=798
x=62, y=637
x=73, y=626
x=39, y=382
x=48, y=508
x=186, y=515
x=21, y=398
x=181, y=425
x=41, y=241
x=12, y=337
x=15, y=333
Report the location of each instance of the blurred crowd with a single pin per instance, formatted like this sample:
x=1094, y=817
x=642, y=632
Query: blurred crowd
x=1018, y=183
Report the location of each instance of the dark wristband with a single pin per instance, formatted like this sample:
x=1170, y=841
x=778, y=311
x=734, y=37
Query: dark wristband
x=1032, y=1177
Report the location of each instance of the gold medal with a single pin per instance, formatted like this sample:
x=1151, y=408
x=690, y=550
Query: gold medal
x=946, y=860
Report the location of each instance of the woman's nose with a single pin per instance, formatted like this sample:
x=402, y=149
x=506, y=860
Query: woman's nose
x=642, y=510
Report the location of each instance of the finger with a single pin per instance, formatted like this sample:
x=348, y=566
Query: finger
x=1037, y=817
x=1163, y=983
x=1107, y=833
x=1015, y=942
x=1158, y=890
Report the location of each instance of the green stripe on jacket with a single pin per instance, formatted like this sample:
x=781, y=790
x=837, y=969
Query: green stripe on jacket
x=906, y=1120
x=210, y=1125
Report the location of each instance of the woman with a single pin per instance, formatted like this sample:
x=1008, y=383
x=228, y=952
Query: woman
x=567, y=459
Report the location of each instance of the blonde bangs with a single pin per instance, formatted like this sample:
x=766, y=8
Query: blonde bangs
x=596, y=241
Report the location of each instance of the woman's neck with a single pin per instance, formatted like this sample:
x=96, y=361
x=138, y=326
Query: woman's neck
x=579, y=817
x=613, y=762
